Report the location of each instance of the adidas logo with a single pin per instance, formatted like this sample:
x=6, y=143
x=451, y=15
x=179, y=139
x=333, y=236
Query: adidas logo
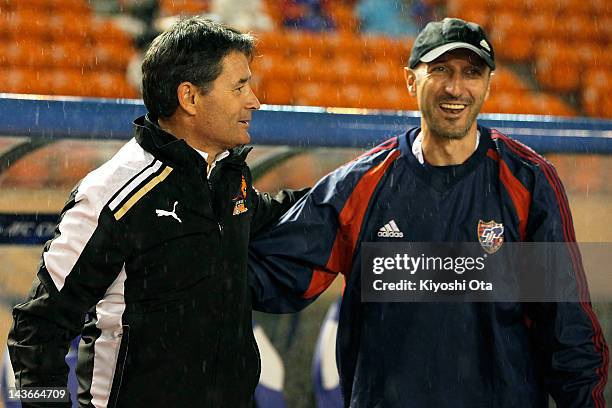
x=485, y=45
x=390, y=230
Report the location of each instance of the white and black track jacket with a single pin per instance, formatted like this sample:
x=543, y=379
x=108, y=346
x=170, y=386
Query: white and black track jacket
x=148, y=264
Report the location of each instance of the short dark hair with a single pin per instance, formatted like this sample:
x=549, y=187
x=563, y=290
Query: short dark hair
x=191, y=50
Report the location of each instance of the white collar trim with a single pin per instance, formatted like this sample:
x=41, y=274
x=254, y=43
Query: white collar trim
x=222, y=155
x=417, y=146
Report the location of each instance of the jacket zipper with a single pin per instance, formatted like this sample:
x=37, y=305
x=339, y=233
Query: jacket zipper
x=212, y=199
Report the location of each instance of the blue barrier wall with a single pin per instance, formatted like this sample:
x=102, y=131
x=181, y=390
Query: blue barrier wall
x=290, y=125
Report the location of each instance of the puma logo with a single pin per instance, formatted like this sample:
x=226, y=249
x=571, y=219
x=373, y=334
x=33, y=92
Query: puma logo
x=164, y=213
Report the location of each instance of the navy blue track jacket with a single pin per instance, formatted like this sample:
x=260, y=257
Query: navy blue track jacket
x=438, y=354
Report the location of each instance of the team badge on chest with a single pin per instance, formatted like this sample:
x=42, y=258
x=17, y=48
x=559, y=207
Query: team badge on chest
x=240, y=200
x=490, y=235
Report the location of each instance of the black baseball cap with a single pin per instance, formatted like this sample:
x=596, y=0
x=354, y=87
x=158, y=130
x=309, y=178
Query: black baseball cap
x=439, y=37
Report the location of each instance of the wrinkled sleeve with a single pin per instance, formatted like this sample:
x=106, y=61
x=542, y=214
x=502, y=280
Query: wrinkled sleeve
x=268, y=208
x=574, y=354
x=296, y=259
x=77, y=267
x=288, y=263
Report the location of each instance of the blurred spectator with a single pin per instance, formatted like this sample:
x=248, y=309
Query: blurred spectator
x=388, y=17
x=305, y=15
x=244, y=15
x=135, y=17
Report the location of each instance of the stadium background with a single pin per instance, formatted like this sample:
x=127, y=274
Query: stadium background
x=554, y=59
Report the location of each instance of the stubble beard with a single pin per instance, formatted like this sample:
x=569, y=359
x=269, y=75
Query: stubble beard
x=451, y=133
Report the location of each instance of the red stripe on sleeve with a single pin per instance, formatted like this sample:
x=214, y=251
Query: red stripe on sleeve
x=319, y=282
x=350, y=219
x=520, y=196
x=570, y=237
x=493, y=155
x=386, y=145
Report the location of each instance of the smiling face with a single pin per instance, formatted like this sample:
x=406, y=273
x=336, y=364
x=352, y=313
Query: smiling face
x=223, y=113
x=450, y=92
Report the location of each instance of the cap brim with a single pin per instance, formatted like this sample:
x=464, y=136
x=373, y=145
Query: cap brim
x=436, y=52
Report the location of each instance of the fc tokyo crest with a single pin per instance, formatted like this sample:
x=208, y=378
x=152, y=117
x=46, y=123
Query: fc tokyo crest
x=240, y=200
x=490, y=235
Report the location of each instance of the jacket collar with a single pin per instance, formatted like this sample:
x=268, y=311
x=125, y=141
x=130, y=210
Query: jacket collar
x=407, y=139
x=165, y=146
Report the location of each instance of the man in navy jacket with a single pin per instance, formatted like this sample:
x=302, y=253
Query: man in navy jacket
x=449, y=180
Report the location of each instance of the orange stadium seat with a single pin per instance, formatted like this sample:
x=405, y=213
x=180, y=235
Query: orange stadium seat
x=27, y=52
x=591, y=55
x=558, y=78
x=481, y=17
x=16, y=80
x=276, y=92
x=68, y=82
x=557, y=67
x=316, y=94
x=510, y=103
x=29, y=22
x=61, y=27
x=600, y=7
x=310, y=68
x=347, y=69
x=545, y=25
x=5, y=24
x=457, y=8
x=343, y=43
x=304, y=43
x=35, y=5
x=504, y=80
x=592, y=98
x=75, y=6
x=607, y=108
x=511, y=38
x=354, y=96
x=69, y=54
x=497, y=7
x=491, y=105
x=47, y=82
x=598, y=77
x=386, y=72
x=606, y=57
x=107, y=31
x=112, y=55
x=379, y=48
x=343, y=17
x=271, y=8
x=392, y=96
x=109, y=85
x=183, y=7
x=30, y=81
x=551, y=105
x=596, y=88
x=579, y=27
x=476, y=11
x=404, y=47
x=273, y=66
x=547, y=6
x=273, y=41
x=578, y=7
